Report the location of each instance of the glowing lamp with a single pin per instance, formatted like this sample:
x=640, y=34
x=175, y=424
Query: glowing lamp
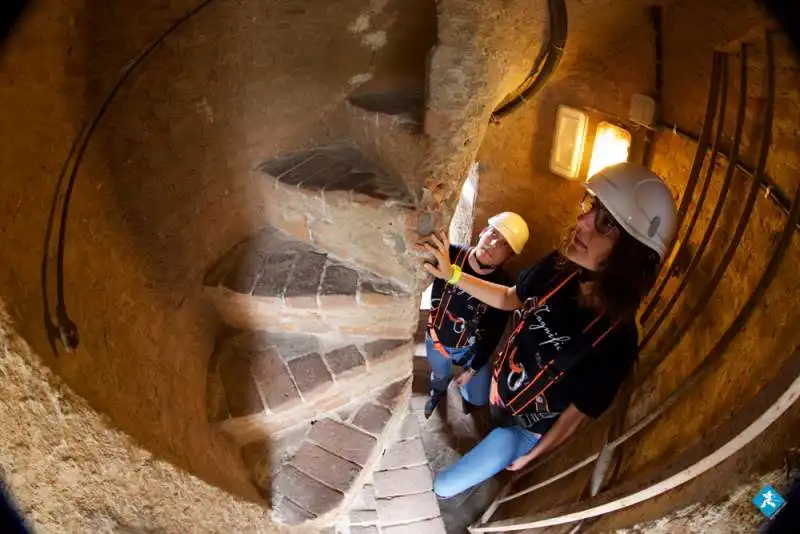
x=612, y=145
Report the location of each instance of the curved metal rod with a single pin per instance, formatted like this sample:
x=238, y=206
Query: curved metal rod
x=698, y=210
x=67, y=330
x=676, y=333
x=545, y=64
x=714, y=356
x=608, y=456
x=694, y=174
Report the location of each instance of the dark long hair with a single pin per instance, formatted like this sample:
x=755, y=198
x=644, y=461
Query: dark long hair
x=624, y=279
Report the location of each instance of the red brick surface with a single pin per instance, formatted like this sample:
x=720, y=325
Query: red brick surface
x=377, y=350
x=310, y=374
x=288, y=512
x=325, y=466
x=343, y=440
x=273, y=379
x=312, y=495
x=241, y=394
x=344, y=359
x=372, y=418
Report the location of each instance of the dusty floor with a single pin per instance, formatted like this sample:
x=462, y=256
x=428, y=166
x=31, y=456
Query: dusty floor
x=70, y=472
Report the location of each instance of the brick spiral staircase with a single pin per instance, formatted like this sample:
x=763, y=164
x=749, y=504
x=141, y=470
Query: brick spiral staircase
x=311, y=376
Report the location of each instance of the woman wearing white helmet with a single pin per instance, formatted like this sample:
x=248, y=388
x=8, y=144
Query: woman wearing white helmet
x=463, y=331
x=575, y=337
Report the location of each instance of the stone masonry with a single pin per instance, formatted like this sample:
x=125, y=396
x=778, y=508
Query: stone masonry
x=264, y=383
x=336, y=199
x=334, y=459
x=277, y=283
x=400, y=498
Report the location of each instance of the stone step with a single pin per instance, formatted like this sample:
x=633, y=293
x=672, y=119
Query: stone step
x=339, y=200
x=399, y=498
x=319, y=475
x=265, y=384
x=276, y=283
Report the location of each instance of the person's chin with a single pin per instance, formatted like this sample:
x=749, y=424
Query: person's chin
x=575, y=253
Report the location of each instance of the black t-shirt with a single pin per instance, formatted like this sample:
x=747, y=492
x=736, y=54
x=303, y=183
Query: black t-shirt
x=461, y=320
x=554, y=324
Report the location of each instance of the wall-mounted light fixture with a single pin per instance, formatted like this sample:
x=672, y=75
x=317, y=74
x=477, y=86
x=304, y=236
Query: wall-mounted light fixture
x=570, y=137
x=611, y=144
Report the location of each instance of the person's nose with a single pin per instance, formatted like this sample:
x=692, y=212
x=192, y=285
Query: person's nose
x=586, y=220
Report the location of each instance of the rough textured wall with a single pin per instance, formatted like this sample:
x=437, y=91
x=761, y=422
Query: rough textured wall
x=69, y=471
x=608, y=57
x=168, y=183
x=484, y=51
x=171, y=178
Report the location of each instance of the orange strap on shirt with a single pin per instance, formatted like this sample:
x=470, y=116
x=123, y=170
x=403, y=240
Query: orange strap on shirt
x=510, y=350
x=436, y=317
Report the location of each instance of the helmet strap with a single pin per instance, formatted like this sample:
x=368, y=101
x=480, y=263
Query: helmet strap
x=483, y=265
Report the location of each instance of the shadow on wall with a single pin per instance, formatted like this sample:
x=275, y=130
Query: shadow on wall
x=168, y=182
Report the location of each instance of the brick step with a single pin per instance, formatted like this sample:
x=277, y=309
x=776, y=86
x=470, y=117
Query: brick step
x=265, y=384
x=339, y=200
x=399, y=498
x=276, y=283
x=318, y=474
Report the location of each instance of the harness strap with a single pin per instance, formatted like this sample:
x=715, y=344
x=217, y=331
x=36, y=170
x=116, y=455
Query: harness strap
x=554, y=370
x=529, y=308
x=436, y=317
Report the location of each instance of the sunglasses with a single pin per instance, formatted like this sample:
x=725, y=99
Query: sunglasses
x=604, y=222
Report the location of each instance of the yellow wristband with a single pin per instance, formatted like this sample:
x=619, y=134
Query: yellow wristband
x=456, y=275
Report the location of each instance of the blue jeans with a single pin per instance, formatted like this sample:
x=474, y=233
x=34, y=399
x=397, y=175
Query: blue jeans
x=477, y=389
x=496, y=452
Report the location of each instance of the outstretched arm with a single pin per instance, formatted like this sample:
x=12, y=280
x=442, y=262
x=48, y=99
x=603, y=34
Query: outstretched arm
x=495, y=295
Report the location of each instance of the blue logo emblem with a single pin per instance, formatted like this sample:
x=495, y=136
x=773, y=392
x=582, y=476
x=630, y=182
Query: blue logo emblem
x=768, y=501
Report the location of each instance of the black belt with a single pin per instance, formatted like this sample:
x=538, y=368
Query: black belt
x=502, y=416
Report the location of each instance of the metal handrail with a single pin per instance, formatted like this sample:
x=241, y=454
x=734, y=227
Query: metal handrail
x=701, y=199
x=691, y=183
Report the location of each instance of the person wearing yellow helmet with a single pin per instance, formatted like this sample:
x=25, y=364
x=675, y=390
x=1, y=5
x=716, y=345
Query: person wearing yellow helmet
x=574, y=338
x=463, y=331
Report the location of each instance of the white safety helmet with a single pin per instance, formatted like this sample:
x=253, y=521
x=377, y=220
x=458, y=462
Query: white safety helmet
x=513, y=228
x=639, y=201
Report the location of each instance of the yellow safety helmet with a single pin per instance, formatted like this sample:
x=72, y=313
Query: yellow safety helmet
x=513, y=228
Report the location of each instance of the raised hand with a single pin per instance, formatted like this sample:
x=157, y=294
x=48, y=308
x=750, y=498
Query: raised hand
x=439, y=246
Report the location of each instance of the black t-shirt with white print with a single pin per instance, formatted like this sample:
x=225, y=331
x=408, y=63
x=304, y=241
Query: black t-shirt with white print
x=461, y=320
x=556, y=323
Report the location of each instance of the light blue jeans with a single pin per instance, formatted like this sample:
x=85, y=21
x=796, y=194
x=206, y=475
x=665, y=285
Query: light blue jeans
x=477, y=389
x=496, y=452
